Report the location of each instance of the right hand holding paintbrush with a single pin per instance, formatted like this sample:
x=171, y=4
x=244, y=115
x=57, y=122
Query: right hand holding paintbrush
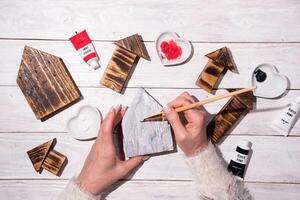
x=190, y=135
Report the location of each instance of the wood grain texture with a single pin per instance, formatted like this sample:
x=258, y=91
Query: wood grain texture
x=220, y=61
x=210, y=76
x=235, y=21
x=222, y=57
x=38, y=154
x=247, y=56
x=135, y=44
x=118, y=70
x=143, y=138
x=46, y=83
x=54, y=162
x=233, y=111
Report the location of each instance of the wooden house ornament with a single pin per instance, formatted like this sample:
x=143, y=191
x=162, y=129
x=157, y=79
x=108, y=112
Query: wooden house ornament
x=219, y=61
x=38, y=154
x=232, y=112
x=46, y=83
x=122, y=63
x=45, y=157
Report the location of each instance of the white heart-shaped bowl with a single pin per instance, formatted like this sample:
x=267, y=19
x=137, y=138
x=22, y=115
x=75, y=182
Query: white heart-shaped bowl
x=273, y=86
x=186, y=48
x=85, y=124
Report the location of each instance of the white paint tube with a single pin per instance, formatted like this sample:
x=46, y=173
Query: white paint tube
x=285, y=121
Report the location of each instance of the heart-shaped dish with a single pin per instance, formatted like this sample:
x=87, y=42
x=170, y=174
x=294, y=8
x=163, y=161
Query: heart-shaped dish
x=85, y=124
x=269, y=82
x=184, y=46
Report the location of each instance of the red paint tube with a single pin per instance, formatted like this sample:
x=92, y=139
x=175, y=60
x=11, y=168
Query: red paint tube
x=86, y=49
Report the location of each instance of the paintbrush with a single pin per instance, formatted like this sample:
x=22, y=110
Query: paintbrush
x=160, y=116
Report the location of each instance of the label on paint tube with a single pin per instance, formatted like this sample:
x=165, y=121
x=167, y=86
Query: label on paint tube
x=285, y=121
x=240, y=158
x=85, y=52
x=86, y=49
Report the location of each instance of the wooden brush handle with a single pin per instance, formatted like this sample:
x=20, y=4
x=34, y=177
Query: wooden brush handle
x=202, y=102
x=214, y=98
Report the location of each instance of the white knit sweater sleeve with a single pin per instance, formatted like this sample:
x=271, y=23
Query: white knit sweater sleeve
x=213, y=181
x=74, y=192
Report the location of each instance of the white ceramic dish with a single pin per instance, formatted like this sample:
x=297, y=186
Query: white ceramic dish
x=274, y=84
x=85, y=124
x=185, y=45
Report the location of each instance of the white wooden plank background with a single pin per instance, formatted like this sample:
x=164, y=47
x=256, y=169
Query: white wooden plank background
x=204, y=21
x=256, y=32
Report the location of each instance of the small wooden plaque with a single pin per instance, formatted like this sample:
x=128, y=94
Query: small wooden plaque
x=38, y=154
x=119, y=69
x=54, y=162
x=46, y=83
x=134, y=44
x=209, y=76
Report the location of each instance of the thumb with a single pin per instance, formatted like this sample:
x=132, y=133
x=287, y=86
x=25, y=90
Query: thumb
x=173, y=118
x=132, y=163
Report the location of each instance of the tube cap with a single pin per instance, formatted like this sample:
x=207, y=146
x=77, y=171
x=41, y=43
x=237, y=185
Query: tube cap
x=94, y=64
x=245, y=144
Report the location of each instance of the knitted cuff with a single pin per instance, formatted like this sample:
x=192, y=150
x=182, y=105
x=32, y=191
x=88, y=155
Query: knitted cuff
x=74, y=192
x=210, y=174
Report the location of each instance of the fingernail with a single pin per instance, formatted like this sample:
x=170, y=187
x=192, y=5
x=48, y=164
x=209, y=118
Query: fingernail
x=167, y=109
x=117, y=107
x=146, y=158
x=111, y=109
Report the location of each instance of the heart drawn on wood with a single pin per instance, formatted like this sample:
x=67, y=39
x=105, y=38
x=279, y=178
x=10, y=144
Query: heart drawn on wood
x=269, y=82
x=172, y=50
x=85, y=124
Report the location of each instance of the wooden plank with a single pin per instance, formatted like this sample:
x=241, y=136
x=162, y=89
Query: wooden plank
x=234, y=21
x=12, y=103
x=273, y=159
x=246, y=56
x=46, y=83
x=135, y=190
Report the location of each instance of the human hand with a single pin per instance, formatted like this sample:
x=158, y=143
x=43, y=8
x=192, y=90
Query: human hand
x=102, y=166
x=191, y=135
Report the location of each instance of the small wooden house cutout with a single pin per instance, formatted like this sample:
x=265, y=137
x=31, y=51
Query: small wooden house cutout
x=46, y=83
x=231, y=113
x=123, y=61
x=220, y=61
x=45, y=157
